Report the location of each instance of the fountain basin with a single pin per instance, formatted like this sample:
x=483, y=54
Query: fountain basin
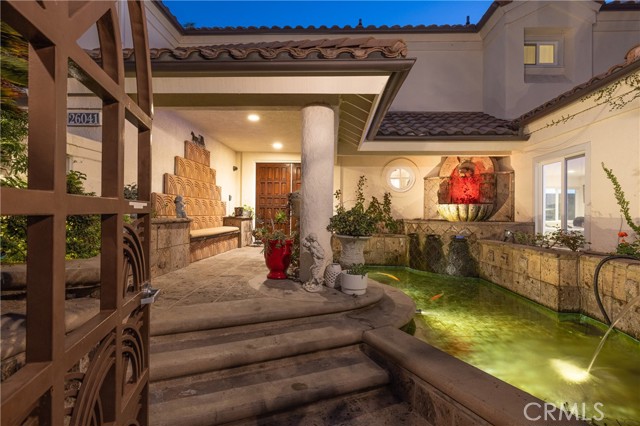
x=465, y=212
x=537, y=350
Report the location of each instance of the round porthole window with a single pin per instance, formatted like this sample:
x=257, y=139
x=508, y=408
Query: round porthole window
x=400, y=175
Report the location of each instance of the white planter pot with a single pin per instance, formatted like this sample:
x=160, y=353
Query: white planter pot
x=352, y=250
x=353, y=284
x=331, y=274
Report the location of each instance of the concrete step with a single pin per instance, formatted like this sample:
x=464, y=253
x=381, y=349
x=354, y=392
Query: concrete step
x=256, y=390
x=199, y=352
x=377, y=407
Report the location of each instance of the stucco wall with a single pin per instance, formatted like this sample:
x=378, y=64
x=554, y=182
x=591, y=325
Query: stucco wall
x=445, y=75
x=612, y=137
x=508, y=93
x=406, y=205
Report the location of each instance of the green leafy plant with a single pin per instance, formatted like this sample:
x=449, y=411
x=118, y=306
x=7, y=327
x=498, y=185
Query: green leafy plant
x=357, y=269
x=359, y=221
x=131, y=191
x=273, y=231
x=624, y=247
x=573, y=240
x=249, y=209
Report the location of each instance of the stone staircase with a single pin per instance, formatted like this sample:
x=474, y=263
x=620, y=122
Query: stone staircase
x=273, y=372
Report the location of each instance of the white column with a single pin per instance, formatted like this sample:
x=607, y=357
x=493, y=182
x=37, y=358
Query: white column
x=318, y=142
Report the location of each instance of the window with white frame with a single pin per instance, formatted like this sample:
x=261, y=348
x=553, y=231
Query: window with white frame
x=399, y=174
x=541, y=53
x=562, y=199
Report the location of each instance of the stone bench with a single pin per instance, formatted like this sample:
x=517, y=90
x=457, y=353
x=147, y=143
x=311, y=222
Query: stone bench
x=208, y=236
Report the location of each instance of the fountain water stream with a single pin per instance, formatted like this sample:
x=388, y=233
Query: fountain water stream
x=624, y=311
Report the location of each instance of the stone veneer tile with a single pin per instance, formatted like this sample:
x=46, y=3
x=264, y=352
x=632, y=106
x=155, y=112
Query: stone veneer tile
x=532, y=288
x=549, y=296
x=605, y=280
x=619, y=282
x=569, y=299
x=568, y=271
x=633, y=271
x=550, y=268
x=632, y=288
x=533, y=269
x=520, y=261
x=154, y=237
x=464, y=419
x=423, y=404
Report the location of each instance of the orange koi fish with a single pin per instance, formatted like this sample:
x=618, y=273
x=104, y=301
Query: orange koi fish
x=388, y=275
x=436, y=297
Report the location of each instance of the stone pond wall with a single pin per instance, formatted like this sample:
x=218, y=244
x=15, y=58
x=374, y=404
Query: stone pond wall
x=430, y=242
x=563, y=280
x=381, y=249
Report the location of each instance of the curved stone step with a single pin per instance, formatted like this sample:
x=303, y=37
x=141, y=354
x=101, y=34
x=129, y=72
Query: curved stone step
x=263, y=388
x=209, y=352
x=208, y=316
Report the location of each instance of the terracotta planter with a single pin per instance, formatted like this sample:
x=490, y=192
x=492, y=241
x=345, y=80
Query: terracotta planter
x=352, y=250
x=353, y=284
x=277, y=259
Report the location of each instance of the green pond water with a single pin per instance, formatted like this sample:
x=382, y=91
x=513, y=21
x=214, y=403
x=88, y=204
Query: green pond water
x=525, y=344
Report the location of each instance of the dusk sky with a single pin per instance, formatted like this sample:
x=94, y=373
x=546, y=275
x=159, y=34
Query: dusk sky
x=341, y=13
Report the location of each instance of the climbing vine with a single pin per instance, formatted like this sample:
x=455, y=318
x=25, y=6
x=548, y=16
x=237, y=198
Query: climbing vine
x=605, y=96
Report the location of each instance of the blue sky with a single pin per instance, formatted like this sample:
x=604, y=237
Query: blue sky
x=341, y=13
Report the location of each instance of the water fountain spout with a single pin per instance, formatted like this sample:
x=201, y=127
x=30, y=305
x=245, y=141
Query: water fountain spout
x=624, y=311
x=596, y=274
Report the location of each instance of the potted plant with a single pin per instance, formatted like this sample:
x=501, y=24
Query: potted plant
x=247, y=211
x=353, y=227
x=354, y=280
x=277, y=246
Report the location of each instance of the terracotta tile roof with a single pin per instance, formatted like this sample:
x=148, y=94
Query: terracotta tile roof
x=335, y=29
x=348, y=29
x=621, y=5
x=404, y=124
x=631, y=63
x=340, y=48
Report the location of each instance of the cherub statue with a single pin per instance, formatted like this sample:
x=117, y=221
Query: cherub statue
x=311, y=243
x=180, y=213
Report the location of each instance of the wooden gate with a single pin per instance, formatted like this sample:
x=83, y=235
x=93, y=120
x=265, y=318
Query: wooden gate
x=98, y=373
x=274, y=182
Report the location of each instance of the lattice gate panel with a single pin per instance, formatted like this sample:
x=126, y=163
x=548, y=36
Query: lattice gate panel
x=98, y=373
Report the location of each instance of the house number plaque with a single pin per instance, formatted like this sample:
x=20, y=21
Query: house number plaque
x=85, y=118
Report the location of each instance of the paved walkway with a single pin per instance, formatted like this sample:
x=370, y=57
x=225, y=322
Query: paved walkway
x=232, y=289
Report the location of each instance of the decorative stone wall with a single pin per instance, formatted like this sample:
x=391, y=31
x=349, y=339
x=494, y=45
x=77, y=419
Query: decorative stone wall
x=503, y=203
x=169, y=245
x=563, y=280
x=246, y=228
x=430, y=240
x=381, y=249
x=195, y=181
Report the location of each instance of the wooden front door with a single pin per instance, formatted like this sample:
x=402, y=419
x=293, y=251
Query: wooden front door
x=97, y=373
x=274, y=182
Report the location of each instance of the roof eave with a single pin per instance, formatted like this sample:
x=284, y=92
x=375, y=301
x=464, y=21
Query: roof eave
x=560, y=103
x=521, y=137
x=307, y=65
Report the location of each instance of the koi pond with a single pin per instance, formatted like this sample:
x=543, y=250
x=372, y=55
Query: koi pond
x=533, y=348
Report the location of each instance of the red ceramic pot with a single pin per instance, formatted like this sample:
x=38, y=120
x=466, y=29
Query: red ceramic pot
x=278, y=259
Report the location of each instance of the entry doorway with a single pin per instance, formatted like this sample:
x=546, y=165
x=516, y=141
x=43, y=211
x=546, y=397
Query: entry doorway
x=274, y=182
